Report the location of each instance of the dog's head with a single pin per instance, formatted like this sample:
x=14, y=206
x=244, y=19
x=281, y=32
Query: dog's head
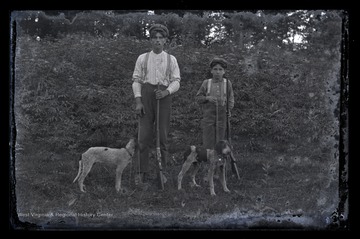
x=223, y=147
x=132, y=146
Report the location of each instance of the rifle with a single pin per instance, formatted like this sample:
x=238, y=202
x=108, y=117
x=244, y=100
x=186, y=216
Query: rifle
x=158, y=152
x=228, y=133
x=217, y=122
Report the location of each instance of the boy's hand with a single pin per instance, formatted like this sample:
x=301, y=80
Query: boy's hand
x=211, y=99
x=159, y=94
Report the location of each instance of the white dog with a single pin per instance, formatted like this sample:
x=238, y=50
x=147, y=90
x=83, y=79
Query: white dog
x=119, y=157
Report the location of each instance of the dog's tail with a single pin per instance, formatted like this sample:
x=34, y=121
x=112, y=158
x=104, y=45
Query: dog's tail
x=79, y=172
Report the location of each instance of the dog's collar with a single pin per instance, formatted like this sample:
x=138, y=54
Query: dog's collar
x=129, y=152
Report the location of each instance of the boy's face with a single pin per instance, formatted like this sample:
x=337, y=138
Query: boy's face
x=158, y=41
x=217, y=71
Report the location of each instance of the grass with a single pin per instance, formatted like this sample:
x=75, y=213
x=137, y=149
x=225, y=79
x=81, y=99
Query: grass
x=279, y=190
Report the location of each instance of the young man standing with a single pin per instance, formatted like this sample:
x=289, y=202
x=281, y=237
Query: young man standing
x=153, y=68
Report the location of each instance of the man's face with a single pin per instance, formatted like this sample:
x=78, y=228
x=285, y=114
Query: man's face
x=158, y=41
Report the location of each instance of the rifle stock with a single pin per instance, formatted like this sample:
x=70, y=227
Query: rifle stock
x=158, y=151
x=234, y=166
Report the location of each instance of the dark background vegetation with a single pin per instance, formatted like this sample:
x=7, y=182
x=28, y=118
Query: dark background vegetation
x=72, y=90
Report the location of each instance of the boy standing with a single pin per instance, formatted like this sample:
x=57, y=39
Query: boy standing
x=212, y=96
x=152, y=68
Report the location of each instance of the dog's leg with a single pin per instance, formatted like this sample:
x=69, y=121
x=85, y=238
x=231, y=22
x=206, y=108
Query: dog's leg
x=223, y=177
x=193, y=174
x=119, y=171
x=79, y=171
x=211, y=178
x=187, y=164
x=87, y=164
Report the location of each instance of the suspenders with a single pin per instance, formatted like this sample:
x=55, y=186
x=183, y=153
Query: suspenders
x=167, y=73
x=223, y=93
x=168, y=68
x=209, y=86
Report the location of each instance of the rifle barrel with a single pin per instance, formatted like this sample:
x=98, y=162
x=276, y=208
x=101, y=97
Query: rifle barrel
x=228, y=132
x=158, y=151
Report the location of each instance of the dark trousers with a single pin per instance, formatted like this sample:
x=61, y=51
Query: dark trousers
x=213, y=125
x=147, y=126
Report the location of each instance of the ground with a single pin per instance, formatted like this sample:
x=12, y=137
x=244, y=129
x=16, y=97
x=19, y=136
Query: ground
x=277, y=191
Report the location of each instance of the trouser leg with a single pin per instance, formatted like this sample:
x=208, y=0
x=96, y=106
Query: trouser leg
x=208, y=136
x=145, y=129
x=212, y=124
x=164, y=126
x=147, y=124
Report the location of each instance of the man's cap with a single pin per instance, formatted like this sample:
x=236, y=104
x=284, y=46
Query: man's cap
x=161, y=28
x=218, y=60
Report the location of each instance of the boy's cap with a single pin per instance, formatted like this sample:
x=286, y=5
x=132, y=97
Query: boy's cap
x=161, y=28
x=218, y=60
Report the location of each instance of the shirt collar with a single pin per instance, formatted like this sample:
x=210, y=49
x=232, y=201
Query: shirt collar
x=160, y=54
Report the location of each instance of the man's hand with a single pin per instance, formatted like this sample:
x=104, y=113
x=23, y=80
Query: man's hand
x=159, y=94
x=139, y=108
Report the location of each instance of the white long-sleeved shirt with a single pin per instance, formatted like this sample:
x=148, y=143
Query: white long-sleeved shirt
x=156, y=70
